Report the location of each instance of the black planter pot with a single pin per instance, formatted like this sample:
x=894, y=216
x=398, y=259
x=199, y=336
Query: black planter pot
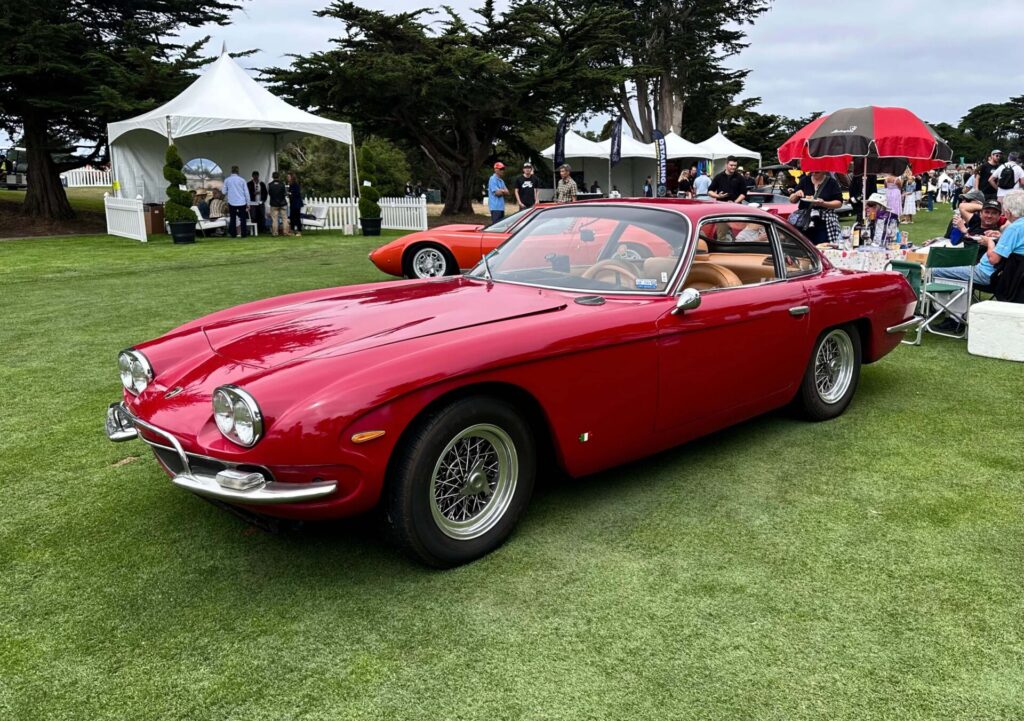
x=183, y=232
x=371, y=226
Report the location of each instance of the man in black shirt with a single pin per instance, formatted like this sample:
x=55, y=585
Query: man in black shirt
x=729, y=185
x=995, y=159
x=277, y=192
x=526, y=193
x=257, y=198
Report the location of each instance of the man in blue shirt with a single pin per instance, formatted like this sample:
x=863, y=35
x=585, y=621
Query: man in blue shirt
x=1011, y=241
x=496, y=193
x=701, y=185
x=237, y=194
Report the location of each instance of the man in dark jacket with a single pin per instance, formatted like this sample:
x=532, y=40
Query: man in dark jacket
x=277, y=193
x=257, y=200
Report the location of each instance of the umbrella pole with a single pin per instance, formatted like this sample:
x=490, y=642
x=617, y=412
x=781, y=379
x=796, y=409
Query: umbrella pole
x=864, y=192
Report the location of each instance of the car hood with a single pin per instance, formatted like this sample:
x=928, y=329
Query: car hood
x=351, y=321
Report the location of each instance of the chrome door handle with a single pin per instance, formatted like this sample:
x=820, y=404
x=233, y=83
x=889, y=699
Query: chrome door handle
x=799, y=310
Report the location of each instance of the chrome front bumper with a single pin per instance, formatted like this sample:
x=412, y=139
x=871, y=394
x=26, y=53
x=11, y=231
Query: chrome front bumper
x=230, y=485
x=907, y=325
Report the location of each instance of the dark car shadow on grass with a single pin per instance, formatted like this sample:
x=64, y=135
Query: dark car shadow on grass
x=358, y=548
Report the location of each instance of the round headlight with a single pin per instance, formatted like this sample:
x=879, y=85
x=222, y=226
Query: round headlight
x=124, y=367
x=244, y=423
x=135, y=371
x=223, y=411
x=237, y=415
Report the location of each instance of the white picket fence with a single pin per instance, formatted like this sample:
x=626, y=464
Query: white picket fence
x=86, y=178
x=125, y=217
x=396, y=213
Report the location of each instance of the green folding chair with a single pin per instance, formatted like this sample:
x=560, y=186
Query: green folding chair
x=913, y=272
x=937, y=296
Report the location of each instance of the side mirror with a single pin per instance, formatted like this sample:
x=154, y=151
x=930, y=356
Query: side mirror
x=587, y=235
x=687, y=300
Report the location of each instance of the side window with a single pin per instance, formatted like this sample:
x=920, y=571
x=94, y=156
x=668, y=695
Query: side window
x=739, y=253
x=797, y=257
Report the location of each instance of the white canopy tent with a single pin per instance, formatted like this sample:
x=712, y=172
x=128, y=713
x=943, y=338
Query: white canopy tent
x=721, y=147
x=679, y=147
x=225, y=116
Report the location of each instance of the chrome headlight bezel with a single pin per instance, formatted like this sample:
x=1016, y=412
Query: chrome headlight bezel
x=135, y=371
x=245, y=433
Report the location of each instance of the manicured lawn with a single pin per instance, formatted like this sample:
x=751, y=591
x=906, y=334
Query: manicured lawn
x=869, y=567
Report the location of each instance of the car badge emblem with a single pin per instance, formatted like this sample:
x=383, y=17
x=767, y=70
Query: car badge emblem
x=173, y=392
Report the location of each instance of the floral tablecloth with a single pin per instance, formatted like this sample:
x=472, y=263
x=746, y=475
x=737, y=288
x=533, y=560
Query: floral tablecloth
x=873, y=260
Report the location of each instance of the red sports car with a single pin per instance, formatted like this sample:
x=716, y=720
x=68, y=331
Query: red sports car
x=601, y=332
x=444, y=250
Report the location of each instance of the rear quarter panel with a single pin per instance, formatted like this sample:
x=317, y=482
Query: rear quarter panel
x=881, y=299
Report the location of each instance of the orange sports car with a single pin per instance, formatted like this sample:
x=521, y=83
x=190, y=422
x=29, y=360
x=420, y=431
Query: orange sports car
x=444, y=250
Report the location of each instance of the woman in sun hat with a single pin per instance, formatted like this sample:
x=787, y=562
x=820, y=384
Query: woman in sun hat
x=879, y=221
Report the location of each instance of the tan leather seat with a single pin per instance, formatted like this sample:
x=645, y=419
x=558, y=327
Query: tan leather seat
x=704, y=276
x=654, y=267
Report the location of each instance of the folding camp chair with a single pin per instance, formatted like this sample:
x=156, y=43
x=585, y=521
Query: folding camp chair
x=913, y=272
x=938, y=296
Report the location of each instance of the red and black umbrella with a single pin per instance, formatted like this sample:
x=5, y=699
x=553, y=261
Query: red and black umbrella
x=833, y=141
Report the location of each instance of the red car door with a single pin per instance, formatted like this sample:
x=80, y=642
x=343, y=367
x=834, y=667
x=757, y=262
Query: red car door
x=740, y=353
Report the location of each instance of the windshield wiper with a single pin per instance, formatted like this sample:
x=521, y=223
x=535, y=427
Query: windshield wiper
x=487, y=268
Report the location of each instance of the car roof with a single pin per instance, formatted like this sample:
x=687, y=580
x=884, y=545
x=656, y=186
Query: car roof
x=695, y=210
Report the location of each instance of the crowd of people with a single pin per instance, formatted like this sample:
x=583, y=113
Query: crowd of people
x=275, y=206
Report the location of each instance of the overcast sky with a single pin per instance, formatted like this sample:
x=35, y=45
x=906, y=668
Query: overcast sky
x=804, y=55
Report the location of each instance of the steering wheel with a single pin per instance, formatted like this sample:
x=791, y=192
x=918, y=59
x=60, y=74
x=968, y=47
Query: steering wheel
x=611, y=267
x=626, y=252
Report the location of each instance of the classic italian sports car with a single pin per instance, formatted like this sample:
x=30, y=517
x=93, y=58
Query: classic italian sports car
x=599, y=333
x=444, y=250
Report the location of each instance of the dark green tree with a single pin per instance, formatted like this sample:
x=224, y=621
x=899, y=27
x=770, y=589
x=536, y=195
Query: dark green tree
x=71, y=66
x=455, y=89
x=676, y=51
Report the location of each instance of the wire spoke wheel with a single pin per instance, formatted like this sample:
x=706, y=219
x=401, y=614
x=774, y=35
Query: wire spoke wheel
x=474, y=481
x=429, y=263
x=834, y=366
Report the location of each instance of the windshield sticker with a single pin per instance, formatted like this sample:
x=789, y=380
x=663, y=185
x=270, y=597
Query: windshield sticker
x=664, y=277
x=647, y=283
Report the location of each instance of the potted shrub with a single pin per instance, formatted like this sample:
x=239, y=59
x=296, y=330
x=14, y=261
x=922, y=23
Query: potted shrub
x=178, y=208
x=369, y=210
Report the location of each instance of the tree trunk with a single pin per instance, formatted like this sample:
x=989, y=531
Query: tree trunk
x=45, y=197
x=670, y=112
x=462, y=188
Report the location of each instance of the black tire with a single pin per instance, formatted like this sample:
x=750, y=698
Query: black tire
x=442, y=254
x=423, y=514
x=822, y=402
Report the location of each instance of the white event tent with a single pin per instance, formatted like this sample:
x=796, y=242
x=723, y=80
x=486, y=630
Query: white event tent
x=721, y=147
x=679, y=147
x=225, y=116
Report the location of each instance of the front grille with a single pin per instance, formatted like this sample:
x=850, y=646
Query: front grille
x=202, y=465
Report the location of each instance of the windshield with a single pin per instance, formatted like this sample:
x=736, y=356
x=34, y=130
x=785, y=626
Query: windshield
x=505, y=224
x=599, y=248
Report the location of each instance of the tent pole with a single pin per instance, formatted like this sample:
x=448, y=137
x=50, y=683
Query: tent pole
x=170, y=140
x=351, y=172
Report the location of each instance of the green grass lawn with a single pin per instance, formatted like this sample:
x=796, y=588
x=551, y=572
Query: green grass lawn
x=869, y=567
x=88, y=199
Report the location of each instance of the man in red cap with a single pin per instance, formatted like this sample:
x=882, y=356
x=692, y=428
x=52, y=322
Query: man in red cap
x=496, y=193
